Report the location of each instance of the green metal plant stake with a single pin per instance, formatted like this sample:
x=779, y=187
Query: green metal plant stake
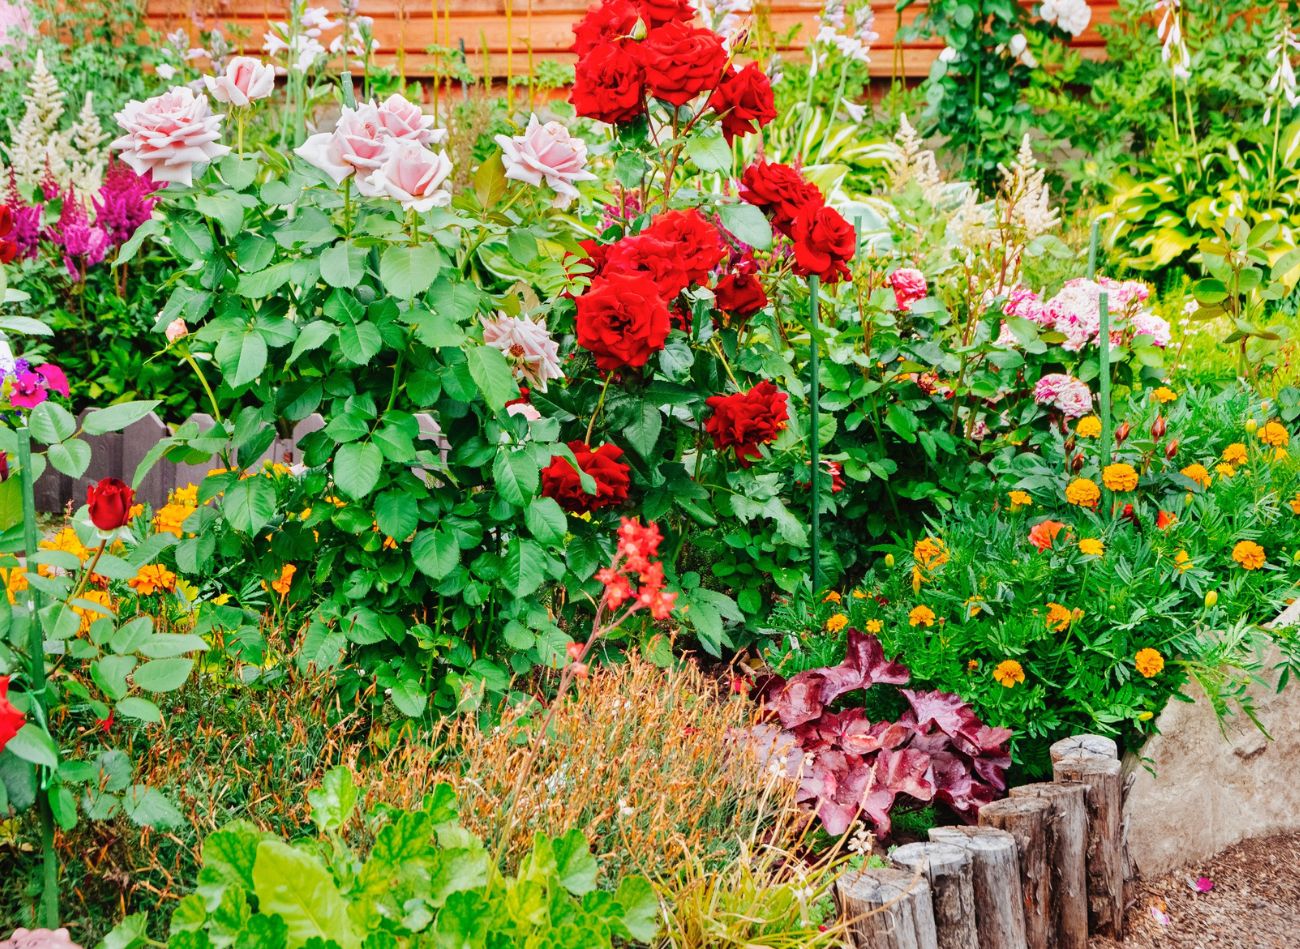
x=814, y=407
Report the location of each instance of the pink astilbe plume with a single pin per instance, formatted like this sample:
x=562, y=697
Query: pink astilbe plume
x=83, y=244
x=125, y=201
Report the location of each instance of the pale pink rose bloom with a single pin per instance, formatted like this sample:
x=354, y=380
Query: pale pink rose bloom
x=413, y=175
x=531, y=351
x=177, y=329
x=546, y=153
x=1064, y=392
x=245, y=80
x=358, y=144
x=909, y=287
x=405, y=121
x=526, y=409
x=168, y=135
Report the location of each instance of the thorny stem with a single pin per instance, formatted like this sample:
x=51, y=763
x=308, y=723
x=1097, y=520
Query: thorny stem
x=600, y=404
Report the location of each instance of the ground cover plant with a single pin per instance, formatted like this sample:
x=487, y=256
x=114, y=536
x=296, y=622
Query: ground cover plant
x=705, y=478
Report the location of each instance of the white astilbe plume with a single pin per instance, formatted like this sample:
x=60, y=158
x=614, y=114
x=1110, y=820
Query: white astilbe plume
x=916, y=163
x=1282, y=84
x=1170, y=30
x=87, y=137
x=1026, y=195
x=36, y=145
x=970, y=226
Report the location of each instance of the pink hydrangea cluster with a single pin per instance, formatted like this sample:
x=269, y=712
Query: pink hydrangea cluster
x=1063, y=392
x=909, y=287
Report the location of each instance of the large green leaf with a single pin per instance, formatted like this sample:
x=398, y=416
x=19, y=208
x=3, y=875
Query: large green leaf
x=356, y=468
x=249, y=504
x=515, y=475
x=491, y=373
x=114, y=418
x=343, y=265
x=524, y=568
x=406, y=272
x=298, y=888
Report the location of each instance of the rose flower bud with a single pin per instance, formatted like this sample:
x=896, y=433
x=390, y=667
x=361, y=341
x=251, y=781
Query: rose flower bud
x=110, y=503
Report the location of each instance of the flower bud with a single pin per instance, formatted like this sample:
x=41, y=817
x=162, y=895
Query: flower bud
x=575, y=651
x=1251, y=425
x=1069, y=444
x=1171, y=449
x=1121, y=433
x=1211, y=598
x=1076, y=464
x=889, y=560
x=177, y=329
x=1158, y=427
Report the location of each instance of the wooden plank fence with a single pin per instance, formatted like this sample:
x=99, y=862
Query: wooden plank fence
x=1043, y=869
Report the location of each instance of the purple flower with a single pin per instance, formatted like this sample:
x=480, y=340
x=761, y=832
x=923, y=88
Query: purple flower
x=26, y=219
x=83, y=244
x=125, y=201
x=30, y=387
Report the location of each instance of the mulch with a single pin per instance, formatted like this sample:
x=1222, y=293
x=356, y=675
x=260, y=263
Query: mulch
x=1254, y=902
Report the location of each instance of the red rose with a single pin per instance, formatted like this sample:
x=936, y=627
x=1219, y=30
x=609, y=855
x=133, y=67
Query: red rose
x=745, y=420
x=609, y=84
x=740, y=293
x=780, y=191
x=11, y=720
x=744, y=100
x=681, y=61
x=110, y=503
x=658, y=12
x=606, y=22
x=561, y=482
x=648, y=254
x=696, y=244
x=823, y=243
x=622, y=319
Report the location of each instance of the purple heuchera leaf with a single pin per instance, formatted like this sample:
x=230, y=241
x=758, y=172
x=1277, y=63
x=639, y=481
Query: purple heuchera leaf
x=849, y=767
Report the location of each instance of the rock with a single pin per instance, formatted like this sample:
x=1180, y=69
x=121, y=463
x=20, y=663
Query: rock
x=1211, y=791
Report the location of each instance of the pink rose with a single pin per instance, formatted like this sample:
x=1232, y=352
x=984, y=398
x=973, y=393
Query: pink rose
x=1070, y=396
x=909, y=286
x=357, y=145
x=413, y=175
x=546, y=152
x=168, y=135
x=533, y=354
x=244, y=80
x=526, y=409
x=177, y=329
x=405, y=121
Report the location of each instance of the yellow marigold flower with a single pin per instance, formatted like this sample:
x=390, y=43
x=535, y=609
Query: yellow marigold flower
x=1197, y=472
x=186, y=495
x=1019, y=499
x=832, y=597
x=221, y=600
x=1083, y=492
x=1149, y=662
x=1164, y=394
x=874, y=626
x=1088, y=427
x=859, y=595
x=920, y=616
x=1235, y=454
x=170, y=517
x=1279, y=454
x=89, y=615
x=1274, y=435
x=1249, y=554
x=974, y=604
x=930, y=552
x=1008, y=672
x=281, y=585
x=836, y=623
x=1225, y=470
x=1146, y=716
x=67, y=541
x=1120, y=477
x=153, y=578
x=972, y=665
x=134, y=511
x=1059, y=617
x=1091, y=547
x=15, y=579
x=1295, y=503
x=1183, y=562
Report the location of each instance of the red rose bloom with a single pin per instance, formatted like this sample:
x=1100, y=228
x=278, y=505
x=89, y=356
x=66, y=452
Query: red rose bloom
x=11, y=720
x=606, y=22
x=744, y=100
x=780, y=191
x=695, y=244
x=745, y=420
x=740, y=293
x=110, y=503
x=609, y=84
x=658, y=12
x=622, y=319
x=823, y=243
x=681, y=61
x=561, y=482
x=650, y=255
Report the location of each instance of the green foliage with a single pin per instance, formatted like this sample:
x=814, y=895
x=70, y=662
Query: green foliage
x=420, y=879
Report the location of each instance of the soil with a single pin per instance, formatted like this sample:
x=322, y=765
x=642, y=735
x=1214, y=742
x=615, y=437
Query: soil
x=1254, y=902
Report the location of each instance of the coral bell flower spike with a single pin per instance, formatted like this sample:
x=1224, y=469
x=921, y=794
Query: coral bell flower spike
x=110, y=503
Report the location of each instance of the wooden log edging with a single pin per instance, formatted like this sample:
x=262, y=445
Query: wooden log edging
x=1043, y=869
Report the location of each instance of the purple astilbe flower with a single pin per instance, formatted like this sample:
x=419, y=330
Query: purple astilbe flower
x=125, y=201
x=83, y=244
x=26, y=218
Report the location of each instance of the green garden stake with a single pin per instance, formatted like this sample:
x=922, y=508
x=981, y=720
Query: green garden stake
x=814, y=406
x=1092, y=250
x=1103, y=358
x=36, y=673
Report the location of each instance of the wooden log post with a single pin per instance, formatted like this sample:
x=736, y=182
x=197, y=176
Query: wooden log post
x=948, y=869
x=995, y=878
x=1098, y=745
x=1067, y=858
x=1104, y=793
x=1026, y=820
x=887, y=909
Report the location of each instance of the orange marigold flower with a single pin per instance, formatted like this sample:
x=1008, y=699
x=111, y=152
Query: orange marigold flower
x=836, y=623
x=1059, y=617
x=874, y=626
x=1235, y=454
x=285, y=580
x=1019, y=499
x=1249, y=554
x=920, y=616
x=972, y=665
x=859, y=595
x=1166, y=520
x=1008, y=672
x=153, y=578
x=15, y=579
x=1083, y=492
x=1149, y=662
x=1088, y=427
x=1225, y=470
x=1091, y=547
x=88, y=614
x=67, y=541
x=1164, y=394
x=1274, y=435
x=974, y=604
x=1197, y=472
x=1120, y=477
x=1183, y=562
x=930, y=552
x=832, y=597
x=1042, y=534
x=1295, y=503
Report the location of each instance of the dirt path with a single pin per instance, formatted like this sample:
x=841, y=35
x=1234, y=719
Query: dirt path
x=1254, y=902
